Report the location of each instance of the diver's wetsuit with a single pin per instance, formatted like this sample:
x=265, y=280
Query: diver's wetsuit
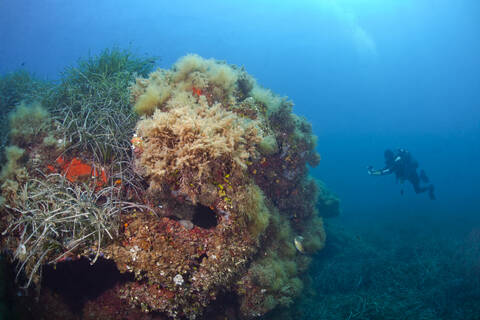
x=405, y=168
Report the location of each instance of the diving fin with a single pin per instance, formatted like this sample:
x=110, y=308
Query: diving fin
x=431, y=193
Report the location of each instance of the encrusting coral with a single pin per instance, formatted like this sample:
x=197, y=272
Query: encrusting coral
x=206, y=195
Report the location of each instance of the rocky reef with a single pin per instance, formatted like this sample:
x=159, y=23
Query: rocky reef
x=188, y=188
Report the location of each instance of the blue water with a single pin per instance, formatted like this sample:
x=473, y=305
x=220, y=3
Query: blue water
x=368, y=74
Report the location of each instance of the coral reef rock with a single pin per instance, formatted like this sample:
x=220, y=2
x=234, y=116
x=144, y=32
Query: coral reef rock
x=208, y=203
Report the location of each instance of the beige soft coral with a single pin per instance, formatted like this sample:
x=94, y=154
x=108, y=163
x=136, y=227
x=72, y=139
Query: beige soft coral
x=191, y=141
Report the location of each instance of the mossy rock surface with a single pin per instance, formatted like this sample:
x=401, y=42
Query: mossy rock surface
x=198, y=185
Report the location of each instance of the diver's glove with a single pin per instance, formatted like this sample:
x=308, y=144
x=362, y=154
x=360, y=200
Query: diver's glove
x=370, y=170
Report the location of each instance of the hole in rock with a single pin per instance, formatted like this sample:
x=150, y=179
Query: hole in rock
x=204, y=217
x=78, y=281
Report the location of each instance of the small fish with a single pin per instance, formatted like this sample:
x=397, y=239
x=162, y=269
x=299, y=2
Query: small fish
x=298, y=241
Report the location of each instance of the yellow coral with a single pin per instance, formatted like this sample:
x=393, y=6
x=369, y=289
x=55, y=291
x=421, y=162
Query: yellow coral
x=189, y=64
x=28, y=123
x=250, y=202
x=147, y=102
x=14, y=154
x=314, y=236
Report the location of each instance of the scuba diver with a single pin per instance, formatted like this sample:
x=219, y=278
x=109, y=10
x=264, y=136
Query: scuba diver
x=405, y=168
